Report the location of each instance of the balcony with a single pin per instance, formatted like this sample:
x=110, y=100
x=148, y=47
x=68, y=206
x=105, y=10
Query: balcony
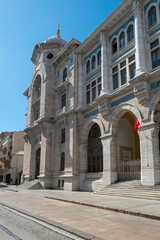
x=62, y=85
x=61, y=111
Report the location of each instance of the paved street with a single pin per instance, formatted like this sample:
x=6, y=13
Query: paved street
x=93, y=221
x=13, y=226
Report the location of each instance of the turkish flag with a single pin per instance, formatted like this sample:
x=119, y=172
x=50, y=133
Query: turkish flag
x=136, y=124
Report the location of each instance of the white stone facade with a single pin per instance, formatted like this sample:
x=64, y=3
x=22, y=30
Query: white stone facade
x=99, y=85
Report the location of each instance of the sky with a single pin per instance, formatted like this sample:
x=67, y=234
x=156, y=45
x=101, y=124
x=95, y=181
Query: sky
x=23, y=23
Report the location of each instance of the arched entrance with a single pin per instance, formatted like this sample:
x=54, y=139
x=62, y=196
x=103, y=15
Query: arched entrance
x=37, y=165
x=128, y=149
x=95, y=151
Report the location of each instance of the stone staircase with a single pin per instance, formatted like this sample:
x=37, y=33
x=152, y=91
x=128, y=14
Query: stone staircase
x=130, y=189
x=33, y=184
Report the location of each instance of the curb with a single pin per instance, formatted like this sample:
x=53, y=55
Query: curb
x=70, y=230
x=119, y=210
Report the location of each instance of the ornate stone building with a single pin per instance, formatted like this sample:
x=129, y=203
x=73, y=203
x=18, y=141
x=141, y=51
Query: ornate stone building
x=84, y=98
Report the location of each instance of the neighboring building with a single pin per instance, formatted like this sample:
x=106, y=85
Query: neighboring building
x=84, y=98
x=11, y=157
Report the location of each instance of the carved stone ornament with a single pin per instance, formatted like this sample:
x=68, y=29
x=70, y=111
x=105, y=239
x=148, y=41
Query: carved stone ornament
x=141, y=92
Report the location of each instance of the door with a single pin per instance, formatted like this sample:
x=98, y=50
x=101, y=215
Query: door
x=38, y=153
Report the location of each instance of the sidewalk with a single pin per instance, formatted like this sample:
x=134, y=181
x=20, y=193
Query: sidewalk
x=133, y=206
x=89, y=216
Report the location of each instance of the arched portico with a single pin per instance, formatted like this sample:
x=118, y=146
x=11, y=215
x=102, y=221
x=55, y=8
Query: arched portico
x=149, y=148
x=128, y=149
x=91, y=153
x=121, y=145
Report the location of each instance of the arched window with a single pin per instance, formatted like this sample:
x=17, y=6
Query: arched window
x=114, y=46
x=93, y=62
x=122, y=40
x=64, y=74
x=130, y=33
x=99, y=58
x=39, y=89
x=62, y=166
x=37, y=167
x=152, y=17
x=95, y=152
x=88, y=67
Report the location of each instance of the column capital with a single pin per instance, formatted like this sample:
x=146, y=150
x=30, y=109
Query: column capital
x=137, y=5
x=80, y=58
x=103, y=36
x=149, y=126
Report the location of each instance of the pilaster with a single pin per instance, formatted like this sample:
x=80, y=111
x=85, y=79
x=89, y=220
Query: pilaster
x=46, y=164
x=150, y=161
x=104, y=63
x=80, y=82
x=83, y=161
x=109, y=159
x=139, y=39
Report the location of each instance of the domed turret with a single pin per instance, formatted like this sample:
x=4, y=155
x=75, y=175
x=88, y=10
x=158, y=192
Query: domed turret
x=56, y=39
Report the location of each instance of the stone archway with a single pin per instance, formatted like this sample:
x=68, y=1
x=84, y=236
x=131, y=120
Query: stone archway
x=128, y=149
x=85, y=175
x=119, y=112
x=94, y=150
x=117, y=150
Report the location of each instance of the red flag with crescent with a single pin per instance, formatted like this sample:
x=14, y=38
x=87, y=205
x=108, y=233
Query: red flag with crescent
x=136, y=124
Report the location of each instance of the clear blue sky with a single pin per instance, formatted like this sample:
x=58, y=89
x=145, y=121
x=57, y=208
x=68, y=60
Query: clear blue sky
x=23, y=23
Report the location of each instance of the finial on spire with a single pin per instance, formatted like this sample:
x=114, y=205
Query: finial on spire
x=58, y=31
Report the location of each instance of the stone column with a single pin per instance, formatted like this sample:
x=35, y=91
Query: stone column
x=83, y=162
x=80, y=92
x=150, y=161
x=109, y=159
x=27, y=161
x=46, y=167
x=104, y=63
x=139, y=39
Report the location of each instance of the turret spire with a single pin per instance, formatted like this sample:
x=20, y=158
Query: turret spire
x=58, y=31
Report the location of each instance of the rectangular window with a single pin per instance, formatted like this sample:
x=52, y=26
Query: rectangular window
x=99, y=86
x=37, y=112
x=93, y=90
x=93, y=93
x=63, y=100
x=93, y=83
x=99, y=89
x=115, y=77
x=88, y=94
x=123, y=73
x=155, y=54
x=115, y=81
x=123, y=76
x=57, y=74
x=155, y=58
x=154, y=44
x=63, y=132
x=115, y=69
x=131, y=59
x=123, y=64
x=132, y=68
